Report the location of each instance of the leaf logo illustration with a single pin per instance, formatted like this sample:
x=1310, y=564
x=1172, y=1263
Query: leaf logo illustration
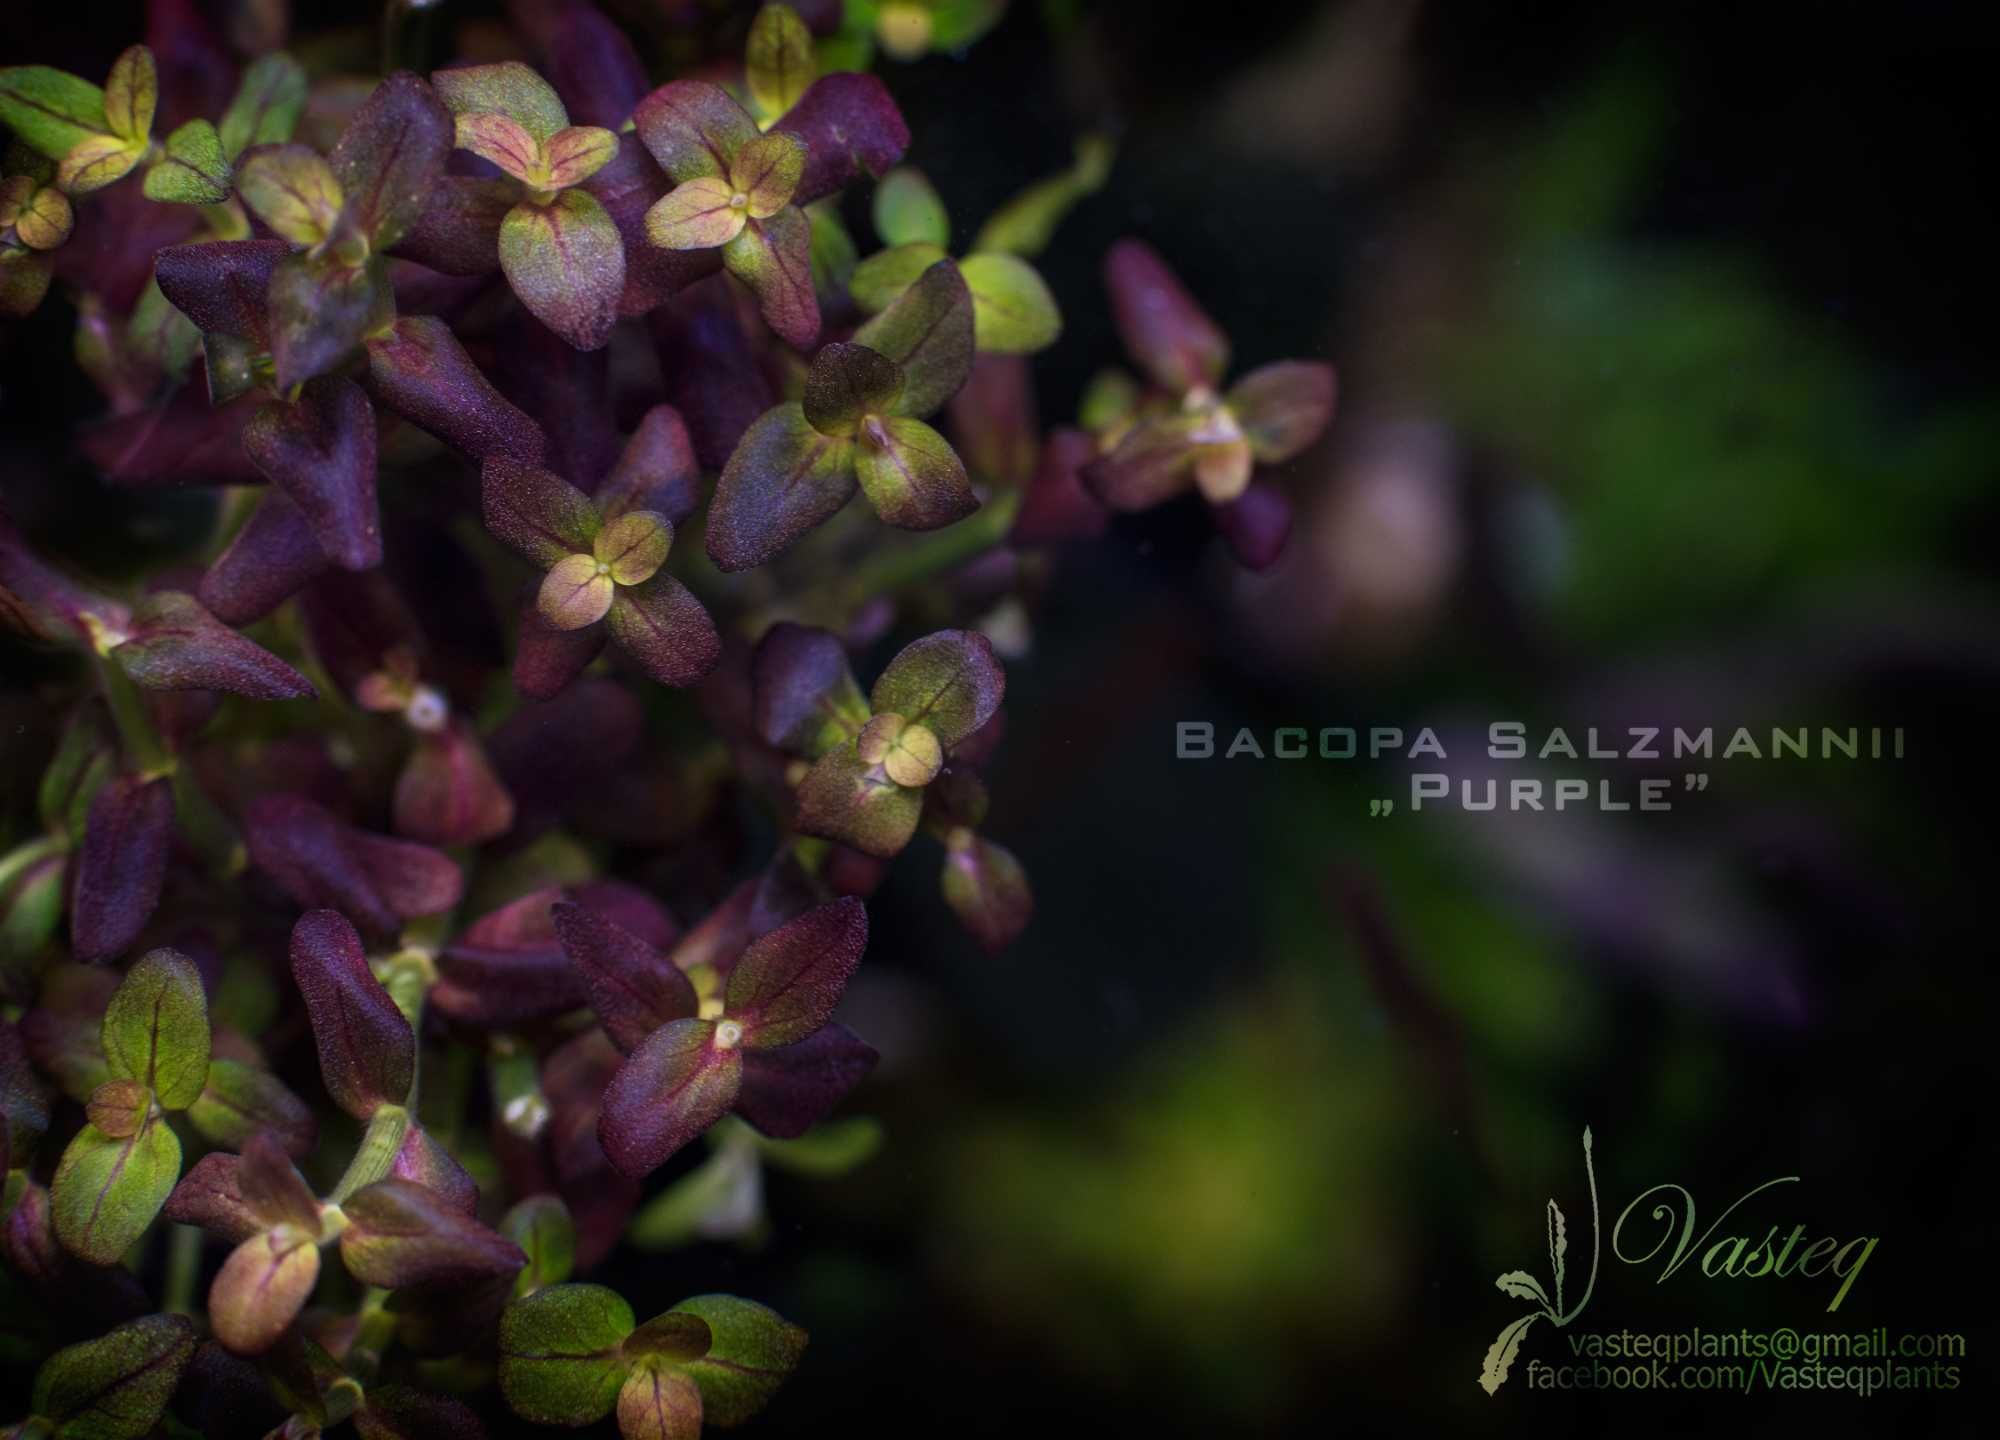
x=1520, y=1285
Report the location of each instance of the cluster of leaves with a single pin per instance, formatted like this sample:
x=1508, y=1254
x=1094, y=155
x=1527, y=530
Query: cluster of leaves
x=618, y=329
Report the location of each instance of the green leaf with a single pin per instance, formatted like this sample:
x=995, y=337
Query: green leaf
x=158, y=332
x=156, y=1029
x=239, y=1100
x=950, y=682
x=698, y=215
x=928, y=330
x=567, y=264
x=657, y=1403
x=574, y=593
x=292, y=190
x=1283, y=407
x=261, y=1288
x=542, y=1227
x=847, y=382
x=106, y=1191
x=131, y=94
x=687, y=1210
x=886, y=274
x=846, y=799
x=766, y=171
x=752, y=1350
x=826, y=1150
x=51, y=110
x=773, y=257
x=509, y=88
x=97, y=161
x=267, y=105
x=576, y=153
x=560, y=1361
x=833, y=253
x=634, y=546
x=778, y=61
x=193, y=170
x=911, y=475
x=1025, y=224
x=504, y=141
x=24, y=280
x=908, y=210
x=1013, y=311
x=117, y=1386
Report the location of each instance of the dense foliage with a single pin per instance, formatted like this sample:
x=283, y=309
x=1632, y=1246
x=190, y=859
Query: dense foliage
x=301, y=779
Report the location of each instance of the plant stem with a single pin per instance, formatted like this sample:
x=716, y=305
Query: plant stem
x=144, y=750
x=183, y=1268
x=938, y=551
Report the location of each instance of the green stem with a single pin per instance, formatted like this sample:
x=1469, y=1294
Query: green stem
x=386, y=1129
x=183, y=1268
x=144, y=749
x=940, y=550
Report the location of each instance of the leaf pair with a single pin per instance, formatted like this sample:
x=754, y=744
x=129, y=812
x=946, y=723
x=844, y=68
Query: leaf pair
x=601, y=560
x=571, y=1354
x=118, y=1171
x=508, y=967
x=872, y=760
x=859, y=426
x=115, y=1387
x=560, y=249
x=95, y=135
x=320, y=861
x=344, y=211
x=760, y=1045
x=1013, y=311
x=734, y=190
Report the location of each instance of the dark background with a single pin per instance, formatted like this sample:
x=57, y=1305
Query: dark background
x=1667, y=381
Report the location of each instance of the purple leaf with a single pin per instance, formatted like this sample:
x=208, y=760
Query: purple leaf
x=321, y=452
x=508, y=967
x=665, y=630
x=1057, y=507
x=788, y=981
x=1283, y=407
x=851, y=127
x=713, y=376
x=175, y=644
x=182, y=438
x=38, y=601
x=400, y=1234
x=774, y=258
x=221, y=285
x=271, y=1189
x=420, y=371
x=804, y=696
x=535, y=512
x=367, y=1053
x=633, y=988
x=448, y=793
x=321, y=862
x=588, y=59
x=988, y=891
x=422, y=1161
x=788, y=1090
x=993, y=421
x=674, y=1086
x=414, y=880
x=270, y=559
x=549, y=660
x=1169, y=336
x=459, y=231
x=629, y=186
x=783, y=481
x=210, y=1196
x=321, y=311
x=656, y=471
x=1256, y=524
x=391, y=156
x=693, y=129
x=121, y=866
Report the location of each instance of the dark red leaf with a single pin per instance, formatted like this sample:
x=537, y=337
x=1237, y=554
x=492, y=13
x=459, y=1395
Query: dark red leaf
x=420, y=371
x=789, y=1090
x=367, y=1053
x=320, y=451
x=669, y=1090
x=401, y=1234
x=851, y=127
x=211, y=1197
x=175, y=644
x=633, y=987
x=712, y=373
x=270, y=559
x=1256, y=524
x=1167, y=333
x=548, y=659
x=448, y=793
x=1057, y=507
x=788, y=981
x=391, y=156
x=222, y=285
x=122, y=865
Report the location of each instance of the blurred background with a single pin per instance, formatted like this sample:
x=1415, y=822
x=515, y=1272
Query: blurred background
x=1667, y=397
